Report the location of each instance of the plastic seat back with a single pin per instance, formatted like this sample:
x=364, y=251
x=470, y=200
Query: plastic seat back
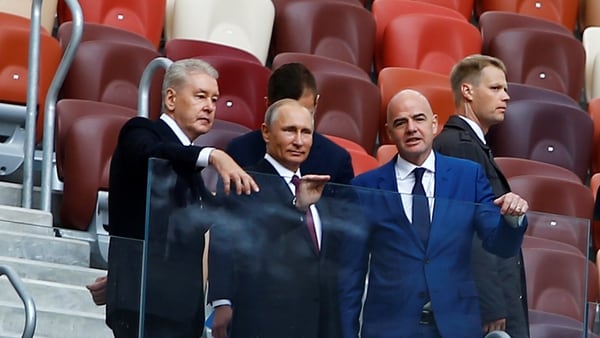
x=111, y=73
x=362, y=161
x=520, y=91
x=434, y=86
x=177, y=49
x=317, y=63
x=87, y=162
x=594, y=111
x=14, y=47
x=554, y=195
x=384, y=11
x=556, y=281
x=242, y=89
x=560, y=11
x=23, y=8
x=330, y=28
x=559, y=228
x=464, y=7
x=546, y=132
x=348, y=111
x=346, y=144
x=541, y=58
x=540, y=242
x=428, y=42
x=491, y=23
x=145, y=18
x=244, y=24
x=386, y=152
x=514, y=166
x=97, y=31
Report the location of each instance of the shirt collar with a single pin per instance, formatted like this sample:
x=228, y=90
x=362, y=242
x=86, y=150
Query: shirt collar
x=281, y=170
x=176, y=129
x=476, y=128
x=405, y=168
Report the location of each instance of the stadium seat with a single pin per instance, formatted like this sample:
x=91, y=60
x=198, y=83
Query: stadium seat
x=177, y=49
x=544, y=243
x=386, y=152
x=145, y=18
x=546, y=132
x=242, y=90
x=560, y=11
x=23, y=8
x=491, y=23
x=97, y=31
x=346, y=144
x=514, y=166
x=317, y=63
x=464, y=7
x=554, y=195
x=428, y=42
x=111, y=73
x=384, y=11
x=556, y=282
x=435, y=86
x=589, y=14
x=591, y=45
x=552, y=330
x=86, y=164
x=333, y=29
x=246, y=25
x=362, y=162
x=348, y=110
x=14, y=44
x=569, y=230
x=529, y=59
x=521, y=91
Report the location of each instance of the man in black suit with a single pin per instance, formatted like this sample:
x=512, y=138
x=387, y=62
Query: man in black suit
x=174, y=302
x=268, y=276
x=295, y=81
x=480, y=96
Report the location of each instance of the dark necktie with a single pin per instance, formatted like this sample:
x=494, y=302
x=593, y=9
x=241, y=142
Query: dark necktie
x=310, y=224
x=420, y=209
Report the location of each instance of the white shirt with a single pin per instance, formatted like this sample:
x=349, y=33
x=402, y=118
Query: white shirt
x=405, y=181
x=204, y=155
x=287, y=175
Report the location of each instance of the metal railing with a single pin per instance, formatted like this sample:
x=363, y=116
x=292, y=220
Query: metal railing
x=30, y=312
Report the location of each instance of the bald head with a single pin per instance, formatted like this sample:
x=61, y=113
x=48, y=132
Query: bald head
x=411, y=125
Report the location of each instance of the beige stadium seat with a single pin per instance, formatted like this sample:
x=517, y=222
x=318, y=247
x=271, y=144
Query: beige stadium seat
x=23, y=8
x=168, y=28
x=591, y=44
x=244, y=24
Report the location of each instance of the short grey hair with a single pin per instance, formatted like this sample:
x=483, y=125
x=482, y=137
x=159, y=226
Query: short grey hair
x=178, y=71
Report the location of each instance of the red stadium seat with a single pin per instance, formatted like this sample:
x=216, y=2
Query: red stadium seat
x=96, y=31
x=177, y=49
x=514, y=166
x=317, y=63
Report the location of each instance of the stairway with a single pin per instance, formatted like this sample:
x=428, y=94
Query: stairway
x=54, y=272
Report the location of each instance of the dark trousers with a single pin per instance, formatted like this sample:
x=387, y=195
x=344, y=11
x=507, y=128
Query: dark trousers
x=124, y=324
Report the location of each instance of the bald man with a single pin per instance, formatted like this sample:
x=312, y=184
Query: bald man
x=420, y=282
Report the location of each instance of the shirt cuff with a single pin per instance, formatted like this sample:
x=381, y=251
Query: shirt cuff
x=220, y=302
x=202, y=161
x=515, y=221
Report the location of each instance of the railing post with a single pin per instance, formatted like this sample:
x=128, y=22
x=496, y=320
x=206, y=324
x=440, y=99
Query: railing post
x=30, y=311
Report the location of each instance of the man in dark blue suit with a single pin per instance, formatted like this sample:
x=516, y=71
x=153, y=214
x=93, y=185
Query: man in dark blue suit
x=273, y=256
x=295, y=81
x=420, y=282
x=174, y=300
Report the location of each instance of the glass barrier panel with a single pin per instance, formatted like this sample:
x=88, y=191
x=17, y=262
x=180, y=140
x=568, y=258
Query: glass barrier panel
x=366, y=268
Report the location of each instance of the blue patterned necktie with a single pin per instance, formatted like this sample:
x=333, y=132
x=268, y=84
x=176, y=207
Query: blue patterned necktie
x=420, y=209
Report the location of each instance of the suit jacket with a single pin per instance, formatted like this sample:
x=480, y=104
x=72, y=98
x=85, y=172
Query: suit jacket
x=262, y=259
x=500, y=282
x=325, y=157
x=177, y=223
x=403, y=273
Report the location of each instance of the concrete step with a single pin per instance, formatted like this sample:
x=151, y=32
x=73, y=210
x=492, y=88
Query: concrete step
x=44, y=248
x=52, y=272
x=50, y=295
x=15, y=215
x=54, y=323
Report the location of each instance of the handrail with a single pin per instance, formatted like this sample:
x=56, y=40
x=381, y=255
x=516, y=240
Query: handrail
x=146, y=82
x=33, y=77
x=30, y=312
x=52, y=98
